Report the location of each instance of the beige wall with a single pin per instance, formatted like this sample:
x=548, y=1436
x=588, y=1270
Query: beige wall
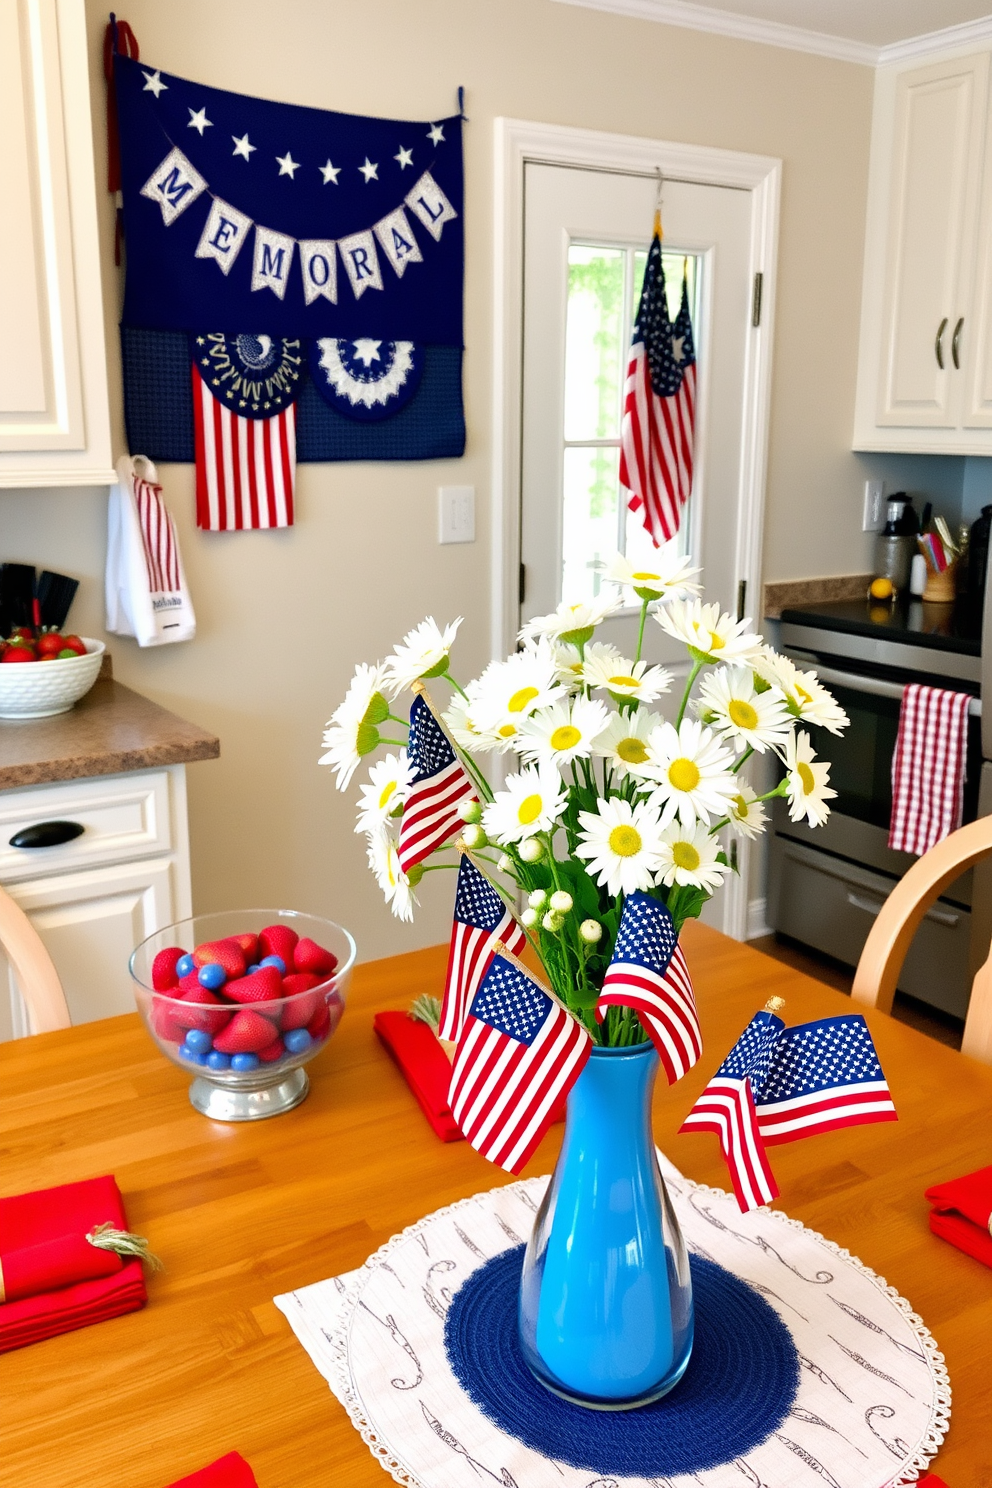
x=283, y=617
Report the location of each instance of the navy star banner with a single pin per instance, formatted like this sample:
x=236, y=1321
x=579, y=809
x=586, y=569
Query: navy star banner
x=244, y=215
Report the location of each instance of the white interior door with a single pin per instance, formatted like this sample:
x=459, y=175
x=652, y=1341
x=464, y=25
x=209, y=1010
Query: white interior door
x=586, y=235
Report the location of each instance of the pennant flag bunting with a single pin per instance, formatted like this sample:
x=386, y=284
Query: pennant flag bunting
x=431, y=812
x=779, y=1084
x=648, y=973
x=480, y=919
x=519, y=1054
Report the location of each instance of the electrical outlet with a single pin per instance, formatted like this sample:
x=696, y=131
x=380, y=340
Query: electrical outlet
x=873, y=514
x=455, y=514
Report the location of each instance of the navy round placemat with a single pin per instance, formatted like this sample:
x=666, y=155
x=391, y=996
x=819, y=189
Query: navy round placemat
x=739, y=1386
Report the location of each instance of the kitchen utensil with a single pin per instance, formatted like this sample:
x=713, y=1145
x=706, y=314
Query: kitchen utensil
x=16, y=596
x=55, y=593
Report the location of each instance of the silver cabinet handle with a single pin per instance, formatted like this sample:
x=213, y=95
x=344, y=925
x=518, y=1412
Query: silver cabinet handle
x=955, y=340
x=938, y=350
x=873, y=907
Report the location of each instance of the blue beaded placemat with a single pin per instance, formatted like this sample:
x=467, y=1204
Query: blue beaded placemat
x=739, y=1386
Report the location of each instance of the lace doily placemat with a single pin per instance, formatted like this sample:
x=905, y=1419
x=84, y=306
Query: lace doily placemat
x=871, y=1409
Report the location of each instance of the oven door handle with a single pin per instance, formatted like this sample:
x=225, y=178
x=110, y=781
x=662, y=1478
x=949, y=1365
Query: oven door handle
x=873, y=906
x=878, y=686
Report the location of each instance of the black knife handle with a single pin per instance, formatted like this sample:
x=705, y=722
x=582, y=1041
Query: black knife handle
x=47, y=834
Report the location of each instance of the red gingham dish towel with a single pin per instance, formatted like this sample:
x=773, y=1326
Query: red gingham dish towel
x=928, y=767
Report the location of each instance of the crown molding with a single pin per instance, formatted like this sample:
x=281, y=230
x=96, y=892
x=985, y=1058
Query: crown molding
x=693, y=17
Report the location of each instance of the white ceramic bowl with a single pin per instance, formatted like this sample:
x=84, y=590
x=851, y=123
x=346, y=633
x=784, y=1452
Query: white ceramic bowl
x=38, y=689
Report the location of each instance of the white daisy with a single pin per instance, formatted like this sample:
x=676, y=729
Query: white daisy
x=353, y=730
x=712, y=636
x=671, y=574
x=531, y=802
x=807, y=790
x=385, y=864
x=747, y=814
x=562, y=732
x=389, y=781
x=622, y=843
x=626, y=679
x=806, y=697
x=730, y=704
x=624, y=740
x=423, y=652
x=689, y=857
x=509, y=691
x=570, y=661
x=574, y=623
x=690, y=766
x=459, y=718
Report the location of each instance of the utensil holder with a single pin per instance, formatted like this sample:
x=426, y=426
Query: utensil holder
x=941, y=587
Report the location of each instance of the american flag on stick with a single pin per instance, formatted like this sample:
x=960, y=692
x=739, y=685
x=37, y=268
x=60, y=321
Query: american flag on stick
x=432, y=809
x=519, y=1053
x=659, y=412
x=481, y=918
x=648, y=973
x=245, y=468
x=779, y=1084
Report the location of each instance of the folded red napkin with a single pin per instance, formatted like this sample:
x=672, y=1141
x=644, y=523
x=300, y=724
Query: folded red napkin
x=425, y=1066
x=29, y=1223
x=231, y=1471
x=962, y=1213
x=930, y=1480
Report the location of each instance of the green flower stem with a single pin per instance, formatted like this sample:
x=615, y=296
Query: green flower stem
x=697, y=667
x=743, y=759
x=640, y=629
x=401, y=743
x=438, y=867
x=455, y=684
x=403, y=722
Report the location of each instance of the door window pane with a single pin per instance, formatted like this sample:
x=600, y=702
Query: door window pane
x=589, y=519
x=593, y=342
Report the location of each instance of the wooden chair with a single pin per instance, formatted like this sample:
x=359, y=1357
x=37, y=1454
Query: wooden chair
x=36, y=974
x=885, y=949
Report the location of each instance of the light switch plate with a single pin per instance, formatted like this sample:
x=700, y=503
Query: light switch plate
x=456, y=514
x=873, y=513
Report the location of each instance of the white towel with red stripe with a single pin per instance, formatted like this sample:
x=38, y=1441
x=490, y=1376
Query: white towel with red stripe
x=928, y=767
x=146, y=593
x=245, y=468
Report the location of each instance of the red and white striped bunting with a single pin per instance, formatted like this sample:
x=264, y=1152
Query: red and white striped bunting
x=245, y=468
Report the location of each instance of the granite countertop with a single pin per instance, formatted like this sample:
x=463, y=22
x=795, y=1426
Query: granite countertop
x=109, y=731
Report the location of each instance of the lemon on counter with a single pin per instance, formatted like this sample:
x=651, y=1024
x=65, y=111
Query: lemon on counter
x=881, y=589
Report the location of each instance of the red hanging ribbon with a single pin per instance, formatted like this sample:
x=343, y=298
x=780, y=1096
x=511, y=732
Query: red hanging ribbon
x=118, y=38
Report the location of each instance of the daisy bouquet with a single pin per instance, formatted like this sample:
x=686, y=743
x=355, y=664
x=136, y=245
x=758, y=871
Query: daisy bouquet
x=605, y=790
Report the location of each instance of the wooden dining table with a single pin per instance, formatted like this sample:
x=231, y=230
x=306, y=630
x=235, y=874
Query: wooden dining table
x=241, y=1213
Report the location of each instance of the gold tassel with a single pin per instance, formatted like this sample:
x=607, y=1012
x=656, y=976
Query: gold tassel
x=123, y=1243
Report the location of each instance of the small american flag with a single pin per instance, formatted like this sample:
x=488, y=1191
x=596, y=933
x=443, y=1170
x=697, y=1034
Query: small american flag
x=245, y=468
x=158, y=531
x=928, y=767
x=648, y=973
x=440, y=785
x=481, y=918
x=519, y=1054
x=659, y=411
x=779, y=1084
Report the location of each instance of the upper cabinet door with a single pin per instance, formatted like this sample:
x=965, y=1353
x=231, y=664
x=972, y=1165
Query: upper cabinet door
x=937, y=147
x=54, y=423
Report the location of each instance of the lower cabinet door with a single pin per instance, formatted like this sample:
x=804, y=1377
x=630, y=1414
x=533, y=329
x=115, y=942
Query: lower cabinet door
x=90, y=923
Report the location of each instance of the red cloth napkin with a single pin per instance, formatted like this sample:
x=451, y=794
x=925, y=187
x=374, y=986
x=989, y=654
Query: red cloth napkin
x=426, y=1068
x=31, y=1219
x=231, y=1471
x=962, y=1212
x=930, y=1480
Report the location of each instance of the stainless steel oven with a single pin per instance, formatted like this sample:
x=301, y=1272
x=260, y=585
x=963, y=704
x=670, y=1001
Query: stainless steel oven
x=827, y=885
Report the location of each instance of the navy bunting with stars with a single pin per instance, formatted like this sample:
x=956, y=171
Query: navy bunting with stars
x=294, y=254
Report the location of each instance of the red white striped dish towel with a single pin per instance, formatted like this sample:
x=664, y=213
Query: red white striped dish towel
x=245, y=468
x=146, y=594
x=928, y=767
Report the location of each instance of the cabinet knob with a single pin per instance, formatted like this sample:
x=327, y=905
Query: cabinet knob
x=955, y=340
x=938, y=349
x=47, y=834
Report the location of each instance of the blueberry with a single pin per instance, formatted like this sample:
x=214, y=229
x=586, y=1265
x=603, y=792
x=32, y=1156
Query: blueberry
x=193, y=1055
x=199, y=1040
x=251, y=969
x=185, y=965
x=242, y=1062
x=296, y=1040
x=211, y=976
x=275, y=961
x=218, y=1061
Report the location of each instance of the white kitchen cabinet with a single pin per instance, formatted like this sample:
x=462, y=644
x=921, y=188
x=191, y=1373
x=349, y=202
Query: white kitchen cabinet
x=54, y=414
x=94, y=898
x=925, y=356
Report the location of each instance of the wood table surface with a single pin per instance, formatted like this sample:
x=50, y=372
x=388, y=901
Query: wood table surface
x=240, y=1213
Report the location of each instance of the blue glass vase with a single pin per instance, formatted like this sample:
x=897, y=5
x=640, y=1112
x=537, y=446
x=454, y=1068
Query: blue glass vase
x=605, y=1295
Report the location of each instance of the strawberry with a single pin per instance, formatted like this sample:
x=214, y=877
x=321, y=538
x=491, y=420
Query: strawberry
x=303, y=1003
x=320, y=1024
x=199, y=1008
x=247, y=1033
x=18, y=653
x=278, y=940
x=225, y=953
x=74, y=644
x=263, y=985
x=49, y=643
x=164, y=968
x=249, y=946
x=164, y=1022
x=309, y=956
x=274, y=1051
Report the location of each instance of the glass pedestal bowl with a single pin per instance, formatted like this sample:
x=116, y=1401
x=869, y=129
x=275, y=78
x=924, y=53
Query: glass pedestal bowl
x=270, y=1079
